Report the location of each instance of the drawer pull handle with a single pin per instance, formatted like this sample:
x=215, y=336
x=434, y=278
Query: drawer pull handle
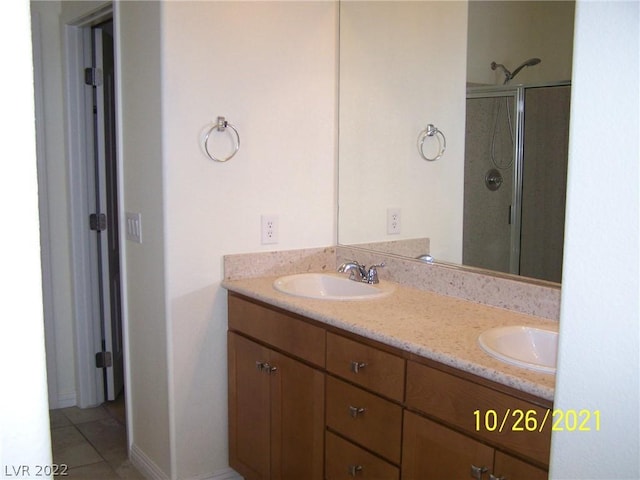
x=354, y=469
x=477, y=472
x=357, y=366
x=355, y=411
x=265, y=367
x=493, y=477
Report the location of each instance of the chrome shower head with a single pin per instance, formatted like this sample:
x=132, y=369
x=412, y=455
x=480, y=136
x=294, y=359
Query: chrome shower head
x=529, y=63
x=508, y=76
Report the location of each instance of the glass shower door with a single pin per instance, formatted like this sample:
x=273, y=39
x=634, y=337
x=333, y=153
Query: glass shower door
x=492, y=180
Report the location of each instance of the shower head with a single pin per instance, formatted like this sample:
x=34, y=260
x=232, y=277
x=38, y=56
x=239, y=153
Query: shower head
x=529, y=63
x=508, y=76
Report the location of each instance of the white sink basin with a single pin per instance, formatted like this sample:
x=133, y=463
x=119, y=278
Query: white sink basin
x=329, y=287
x=528, y=347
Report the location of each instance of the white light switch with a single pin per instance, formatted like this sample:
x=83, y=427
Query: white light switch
x=134, y=227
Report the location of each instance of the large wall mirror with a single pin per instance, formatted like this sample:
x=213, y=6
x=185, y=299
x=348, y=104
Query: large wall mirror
x=493, y=79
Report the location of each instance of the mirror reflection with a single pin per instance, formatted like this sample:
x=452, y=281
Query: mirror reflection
x=492, y=77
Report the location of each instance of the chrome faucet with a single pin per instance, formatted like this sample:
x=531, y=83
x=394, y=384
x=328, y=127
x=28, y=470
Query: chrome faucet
x=359, y=273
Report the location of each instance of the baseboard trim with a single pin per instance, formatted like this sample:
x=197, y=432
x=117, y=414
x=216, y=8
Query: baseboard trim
x=65, y=401
x=145, y=465
x=225, y=474
x=150, y=470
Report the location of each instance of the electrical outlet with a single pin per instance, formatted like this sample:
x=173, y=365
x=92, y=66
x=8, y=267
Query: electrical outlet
x=269, y=229
x=393, y=221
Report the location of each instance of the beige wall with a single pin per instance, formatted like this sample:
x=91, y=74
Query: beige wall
x=402, y=66
x=277, y=86
x=510, y=32
x=143, y=185
x=46, y=17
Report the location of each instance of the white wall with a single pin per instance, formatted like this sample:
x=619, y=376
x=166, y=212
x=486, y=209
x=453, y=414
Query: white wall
x=143, y=183
x=270, y=68
x=514, y=31
x=24, y=419
x=55, y=179
x=402, y=66
x=599, y=351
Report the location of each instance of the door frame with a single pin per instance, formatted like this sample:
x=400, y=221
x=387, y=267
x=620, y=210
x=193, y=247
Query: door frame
x=87, y=334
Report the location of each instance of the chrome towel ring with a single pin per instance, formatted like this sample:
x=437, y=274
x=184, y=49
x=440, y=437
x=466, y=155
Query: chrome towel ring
x=432, y=131
x=221, y=126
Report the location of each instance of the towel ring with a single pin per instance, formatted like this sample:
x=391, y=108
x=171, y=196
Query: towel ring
x=431, y=131
x=221, y=126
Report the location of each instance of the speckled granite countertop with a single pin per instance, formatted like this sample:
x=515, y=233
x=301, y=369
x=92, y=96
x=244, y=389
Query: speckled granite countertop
x=441, y=328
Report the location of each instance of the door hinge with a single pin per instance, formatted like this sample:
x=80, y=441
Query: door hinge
x=93, y=76
x=103, y=360
x=98, y=222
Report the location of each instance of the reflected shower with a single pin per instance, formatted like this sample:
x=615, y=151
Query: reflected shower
x=510, y=76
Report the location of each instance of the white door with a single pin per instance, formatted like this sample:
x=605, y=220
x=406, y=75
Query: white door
x=105, y=219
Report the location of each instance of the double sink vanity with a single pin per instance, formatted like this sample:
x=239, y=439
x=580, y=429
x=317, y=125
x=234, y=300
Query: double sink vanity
x=334, y=378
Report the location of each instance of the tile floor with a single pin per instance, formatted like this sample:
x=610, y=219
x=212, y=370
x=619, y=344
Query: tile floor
x=92, y=442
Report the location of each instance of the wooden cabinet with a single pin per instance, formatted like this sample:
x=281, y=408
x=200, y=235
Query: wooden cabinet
x=500, y=418
x=365, y=388
x=433, y=451
x=309, y=401
x=506, y=467
x=345, y=460
x=276, y=411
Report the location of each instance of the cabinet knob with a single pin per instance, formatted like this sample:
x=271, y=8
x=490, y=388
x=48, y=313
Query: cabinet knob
x=355, y=411
x=477, y=472
x=354, y=469
x=357, y=366
x=265, y=367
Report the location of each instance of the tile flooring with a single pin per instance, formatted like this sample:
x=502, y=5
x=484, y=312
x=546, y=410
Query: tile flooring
x=92, y=442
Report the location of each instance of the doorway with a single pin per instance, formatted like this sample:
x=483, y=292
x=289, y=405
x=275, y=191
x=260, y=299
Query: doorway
x=92, y=322
x=100, y=78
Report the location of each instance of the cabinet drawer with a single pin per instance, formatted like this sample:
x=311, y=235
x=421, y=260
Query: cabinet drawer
x=369, y=367
x=367, y=419
x=454, y=400
x=278, y=329
x=344, y=460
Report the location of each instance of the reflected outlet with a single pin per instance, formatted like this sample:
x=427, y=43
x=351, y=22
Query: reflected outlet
x=269, y=232
x=393, y=221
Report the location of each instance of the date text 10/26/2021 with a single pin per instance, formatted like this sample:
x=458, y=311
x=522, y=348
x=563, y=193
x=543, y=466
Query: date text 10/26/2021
x=518, y=420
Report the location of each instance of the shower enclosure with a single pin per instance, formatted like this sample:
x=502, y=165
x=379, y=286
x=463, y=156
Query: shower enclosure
x=515, y=178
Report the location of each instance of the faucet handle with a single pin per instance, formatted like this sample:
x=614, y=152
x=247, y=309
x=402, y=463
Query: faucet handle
x=372, y=276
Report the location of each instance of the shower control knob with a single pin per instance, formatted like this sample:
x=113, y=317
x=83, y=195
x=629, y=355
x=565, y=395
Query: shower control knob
x=493, y=179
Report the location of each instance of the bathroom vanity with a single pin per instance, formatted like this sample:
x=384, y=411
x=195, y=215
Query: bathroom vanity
x=390, y=388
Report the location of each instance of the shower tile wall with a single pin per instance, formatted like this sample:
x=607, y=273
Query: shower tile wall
x=487, y=232
x=544, y=181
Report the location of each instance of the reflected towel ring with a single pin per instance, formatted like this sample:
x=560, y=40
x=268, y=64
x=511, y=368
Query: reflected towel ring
x=431, y=131
x=221, y=126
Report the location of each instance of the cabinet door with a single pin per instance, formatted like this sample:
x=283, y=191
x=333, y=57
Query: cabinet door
x=431, y=451
x=249, y=400
x=509, y=468
x=297, y=420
